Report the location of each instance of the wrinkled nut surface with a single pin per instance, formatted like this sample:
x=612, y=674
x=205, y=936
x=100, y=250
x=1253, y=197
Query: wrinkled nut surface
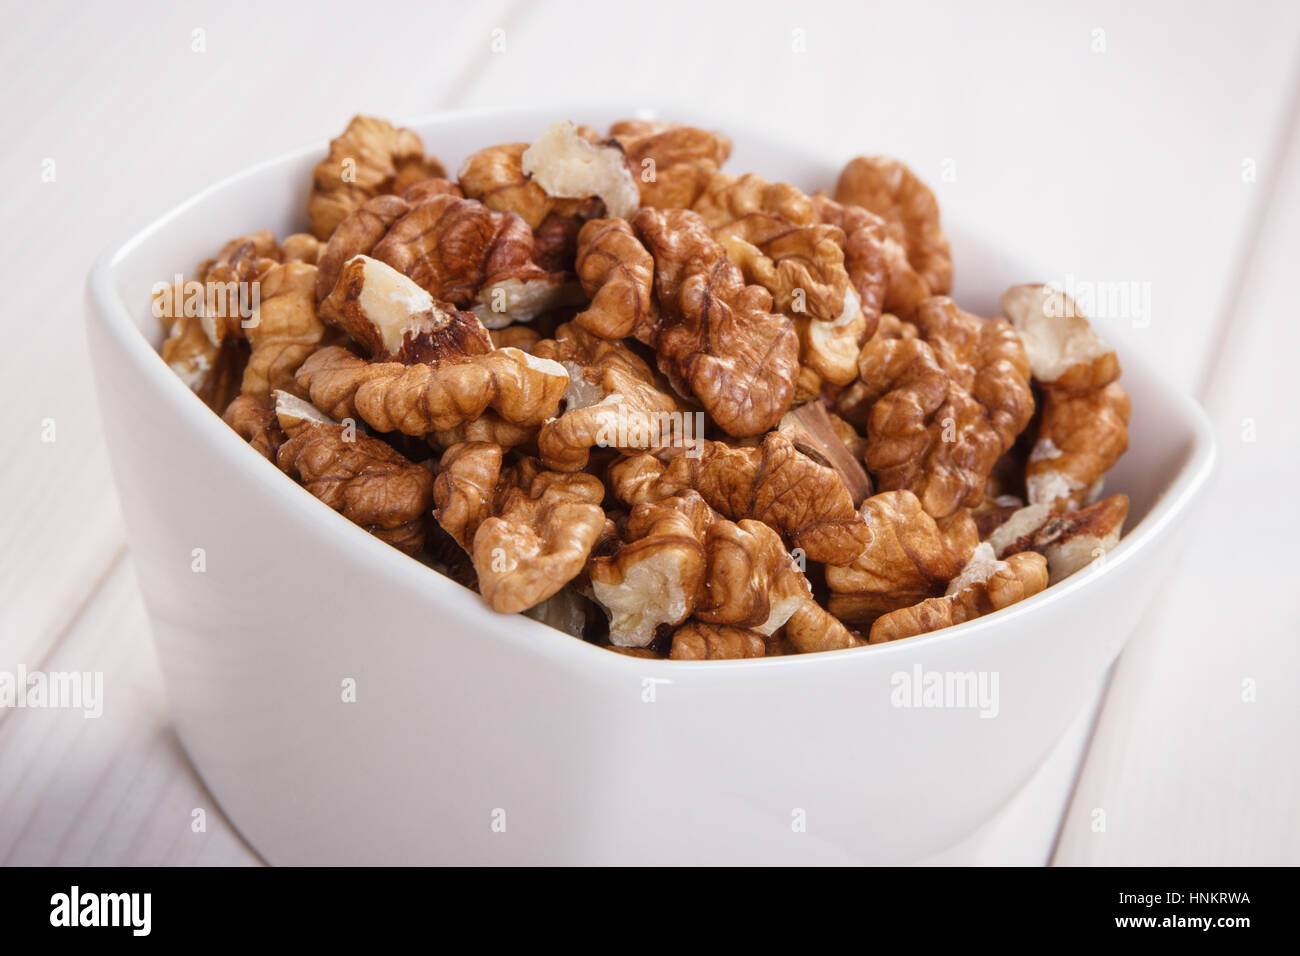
x=364, y=479
x=717, y=339
x=284, y=331
x=773, y=483
x=421, y=399
x=943, y=405
x=672, y=164
x=697, y=641
x=984, y=585
x=617, y=275
x=371, y=157
x=908, y=558
x=710, y=361
x=395, y=320
x=888, y=188
x=495, y=177
x=539, y=536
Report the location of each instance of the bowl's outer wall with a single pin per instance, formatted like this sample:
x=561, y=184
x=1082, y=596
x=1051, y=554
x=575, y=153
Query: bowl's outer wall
x=477, y=738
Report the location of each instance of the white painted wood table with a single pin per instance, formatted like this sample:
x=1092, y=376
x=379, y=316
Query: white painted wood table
x=1159, y=145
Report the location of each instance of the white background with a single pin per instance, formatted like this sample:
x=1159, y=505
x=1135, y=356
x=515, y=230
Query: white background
x=1109, y=141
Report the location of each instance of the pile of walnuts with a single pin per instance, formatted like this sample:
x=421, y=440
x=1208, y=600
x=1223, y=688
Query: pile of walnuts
x=666, y=409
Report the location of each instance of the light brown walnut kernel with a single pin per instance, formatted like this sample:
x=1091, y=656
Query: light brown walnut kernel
x=421, y=399
x=909, y=557
x=465, y=488
x=717, y=339
x=540, y=534
x=255, y=421
x=672, y=164
x=1080, y=437
x=773, y=483
x=394, y=320
x=889, y=189
x=1069, y=541
x=617, y=275
x=284, y=331
x=371, y=157
x=943, y=405
x=697, y=641
x=364, y=479
x=996, y=585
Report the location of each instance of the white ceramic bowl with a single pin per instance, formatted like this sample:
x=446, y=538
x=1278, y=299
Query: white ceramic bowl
x=465, y=720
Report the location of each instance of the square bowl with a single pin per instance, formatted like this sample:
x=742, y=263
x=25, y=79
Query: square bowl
x=480, y=738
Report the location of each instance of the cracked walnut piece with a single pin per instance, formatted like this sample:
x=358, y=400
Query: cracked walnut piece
x=679, y=558
x=420, y=399
x=395, y=320
x=944, y=404
x=717, y=339
x=889, y=189
x=984, y=585
x=539, y=536
x=371, y=157
x=361, y=477
x=528, y=531
x=773, y=483
x=908, y=558
x=672, y=164
x=1083, y=430
x=458, y=250
x=612, y=401
x=617, y=275
x=1069, y=541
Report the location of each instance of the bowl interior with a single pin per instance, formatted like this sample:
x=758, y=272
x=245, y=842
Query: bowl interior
x=1170, y=448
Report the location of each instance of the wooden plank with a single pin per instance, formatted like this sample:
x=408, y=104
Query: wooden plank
x=113, y=790
x=1194, y=759
x=134, y=119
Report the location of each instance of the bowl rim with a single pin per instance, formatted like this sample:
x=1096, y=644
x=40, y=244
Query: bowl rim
x=114, y=316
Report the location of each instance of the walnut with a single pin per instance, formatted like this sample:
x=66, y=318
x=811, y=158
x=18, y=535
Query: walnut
x=773, y=483
x=522, y=337
x=465, y=489
x=255, y=421
x=717, y=339
x=361, y=477
x=284, y=331
x=569, y=166
x=944, y=405
x=540, y=534
x=697, y=641
x=984, y=585
x=672, y=164
x=563, y=174
x=188, y=351
x=1063, y=349
x=229, y=281
x=488, y=427
x=889, y=189
x=1069, y=541
x=395, y=320
x=617, y=274
x=370, y=158
x=420, y=399
x=301, y=247
x=909, y=557
x=831, y=441
x=1083, y=430
x=680, y=558
x=871, y=259
x=612, y=401
x=458, y=250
